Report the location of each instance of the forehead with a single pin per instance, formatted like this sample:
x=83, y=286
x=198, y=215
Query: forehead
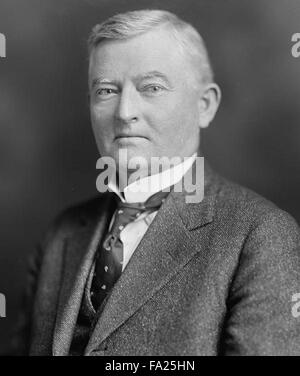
x=156, y=50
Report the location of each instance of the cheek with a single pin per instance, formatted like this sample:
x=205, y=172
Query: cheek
x=162, y=112
x=172, y=117
x=102, y=121
x=187, y=115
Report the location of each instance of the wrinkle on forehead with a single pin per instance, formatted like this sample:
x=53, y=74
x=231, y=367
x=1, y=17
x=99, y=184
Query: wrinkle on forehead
x=155, y=50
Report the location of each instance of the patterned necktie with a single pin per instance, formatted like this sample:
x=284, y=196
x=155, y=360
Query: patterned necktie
x=109, y=258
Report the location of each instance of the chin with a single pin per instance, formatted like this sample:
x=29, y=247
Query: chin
x=131, y=159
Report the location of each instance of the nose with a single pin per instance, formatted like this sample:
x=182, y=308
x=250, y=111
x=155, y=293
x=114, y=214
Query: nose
x=127, y=110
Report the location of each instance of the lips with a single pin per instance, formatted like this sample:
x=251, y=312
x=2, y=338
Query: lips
x=125, y=135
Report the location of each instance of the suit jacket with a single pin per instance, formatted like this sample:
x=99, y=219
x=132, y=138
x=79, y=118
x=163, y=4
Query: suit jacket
x=213, y=278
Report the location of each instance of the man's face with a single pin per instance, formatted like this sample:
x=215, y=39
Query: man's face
x=143, y=98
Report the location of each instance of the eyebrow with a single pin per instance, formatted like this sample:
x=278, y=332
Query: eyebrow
x=101, y=80
x=144, y=76
x=154, y=74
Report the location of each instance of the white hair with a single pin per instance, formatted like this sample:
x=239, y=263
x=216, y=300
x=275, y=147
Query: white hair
x=134, y=23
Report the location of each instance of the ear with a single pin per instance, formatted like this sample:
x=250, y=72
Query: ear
x=210, y=98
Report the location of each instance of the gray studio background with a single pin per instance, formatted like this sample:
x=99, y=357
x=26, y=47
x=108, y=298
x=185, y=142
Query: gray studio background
x=47, y=151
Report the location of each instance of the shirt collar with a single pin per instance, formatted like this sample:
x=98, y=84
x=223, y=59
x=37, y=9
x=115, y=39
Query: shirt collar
x=141, y=190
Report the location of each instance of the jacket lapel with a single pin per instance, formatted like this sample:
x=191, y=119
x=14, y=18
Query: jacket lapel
x=155, y=262
x=80, y=251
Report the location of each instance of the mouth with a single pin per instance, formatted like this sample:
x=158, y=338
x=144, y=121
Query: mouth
x=129, y=136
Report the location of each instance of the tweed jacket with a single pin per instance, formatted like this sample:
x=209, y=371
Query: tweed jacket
x=211, y=278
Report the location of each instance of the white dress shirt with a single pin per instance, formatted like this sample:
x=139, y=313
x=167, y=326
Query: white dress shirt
x=140, y=191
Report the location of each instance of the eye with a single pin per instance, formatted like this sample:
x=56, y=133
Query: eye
x=153, y=89
x=104, y=92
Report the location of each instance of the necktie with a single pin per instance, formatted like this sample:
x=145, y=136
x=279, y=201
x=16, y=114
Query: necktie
x=109, y=257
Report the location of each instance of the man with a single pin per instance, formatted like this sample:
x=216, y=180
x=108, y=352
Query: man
x=141, y=271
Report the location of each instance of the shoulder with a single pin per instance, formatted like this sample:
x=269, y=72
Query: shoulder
x=264, y=238
x=250, y=210
x=74, y=217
